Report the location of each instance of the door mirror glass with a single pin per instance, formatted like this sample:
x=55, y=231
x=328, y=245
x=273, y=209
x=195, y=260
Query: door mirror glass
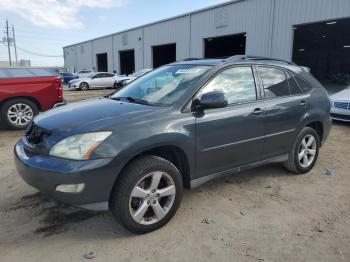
x=214, y=99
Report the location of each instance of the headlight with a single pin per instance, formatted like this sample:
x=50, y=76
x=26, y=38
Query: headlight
x=78, y=147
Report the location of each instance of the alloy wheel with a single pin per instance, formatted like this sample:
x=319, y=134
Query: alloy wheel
x=84, y=86
x=307, y=151
x=152, y=198
x=20, y=114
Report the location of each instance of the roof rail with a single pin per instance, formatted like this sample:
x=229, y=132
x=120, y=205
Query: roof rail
x=248, y=57
x=189, y=59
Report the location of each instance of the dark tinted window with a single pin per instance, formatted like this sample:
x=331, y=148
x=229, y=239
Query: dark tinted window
x=303, y=85
x=294, y=88
x=26, y=72
x=237, y=83
x=100, y=75
x=108, y=75
x=274, y=81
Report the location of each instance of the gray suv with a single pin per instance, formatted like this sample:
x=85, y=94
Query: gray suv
x=178, y=126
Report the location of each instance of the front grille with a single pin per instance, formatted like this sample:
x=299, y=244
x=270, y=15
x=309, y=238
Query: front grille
x=34, y=134
x=342, y=105
x=343, y=117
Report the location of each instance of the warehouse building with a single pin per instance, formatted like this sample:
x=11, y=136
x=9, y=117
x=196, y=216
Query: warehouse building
x=313, y=33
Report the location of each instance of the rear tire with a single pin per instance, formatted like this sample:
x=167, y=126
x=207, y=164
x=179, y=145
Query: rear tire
x=139, y=202
x=304, y=153
x=18, y=113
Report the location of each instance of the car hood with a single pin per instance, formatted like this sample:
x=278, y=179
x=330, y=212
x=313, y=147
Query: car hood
x=77, y=115
x=342, y=95
x=122, y=78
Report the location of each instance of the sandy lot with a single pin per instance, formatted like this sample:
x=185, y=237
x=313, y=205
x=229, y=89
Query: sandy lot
x=264, y=214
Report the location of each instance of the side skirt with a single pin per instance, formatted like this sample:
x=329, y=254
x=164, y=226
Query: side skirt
x=202, y=180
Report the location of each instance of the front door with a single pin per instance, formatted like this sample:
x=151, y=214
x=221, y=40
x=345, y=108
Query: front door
x=232, y=136
x=97, y=80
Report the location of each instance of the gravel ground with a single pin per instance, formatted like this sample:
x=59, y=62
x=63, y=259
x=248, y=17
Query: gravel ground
x=264, y=214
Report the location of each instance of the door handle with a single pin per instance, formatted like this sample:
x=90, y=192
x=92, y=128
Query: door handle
x=258, y=111
x=302, y=102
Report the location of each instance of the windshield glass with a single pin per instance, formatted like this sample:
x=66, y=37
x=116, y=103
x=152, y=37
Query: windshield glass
x=163, y=86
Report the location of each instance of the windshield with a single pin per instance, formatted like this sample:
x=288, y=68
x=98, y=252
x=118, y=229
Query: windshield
x=163, y=86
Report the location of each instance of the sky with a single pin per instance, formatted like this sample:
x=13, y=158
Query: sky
x=45, y=26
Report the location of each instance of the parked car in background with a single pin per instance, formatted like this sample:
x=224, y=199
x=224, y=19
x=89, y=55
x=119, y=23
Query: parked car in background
x=124, y=80
x=94, y=80
x=341, y=105
x=66, y=77
x=84, y=73
x=24, y=92
x=182, y=124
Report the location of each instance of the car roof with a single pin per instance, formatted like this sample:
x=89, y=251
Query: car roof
x=243, y=59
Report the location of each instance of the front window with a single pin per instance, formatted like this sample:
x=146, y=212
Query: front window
x=163, y=86
x=237, y=83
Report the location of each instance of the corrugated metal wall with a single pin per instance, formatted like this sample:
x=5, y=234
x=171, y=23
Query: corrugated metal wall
x=129, y=40
x=173, y=31
x=251, y=17
x=268, y=25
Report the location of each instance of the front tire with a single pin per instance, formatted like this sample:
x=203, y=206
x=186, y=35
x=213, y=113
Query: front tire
x=304, y=153
x=147, y=195
x=18, y=113
x=83, y=86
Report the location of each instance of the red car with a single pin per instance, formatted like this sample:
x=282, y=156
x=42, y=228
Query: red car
x=24, y=92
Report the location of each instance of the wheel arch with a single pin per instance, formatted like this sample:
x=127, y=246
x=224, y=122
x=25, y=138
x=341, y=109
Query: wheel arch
x=30, y=98
x=173, y=153
x=318, y=127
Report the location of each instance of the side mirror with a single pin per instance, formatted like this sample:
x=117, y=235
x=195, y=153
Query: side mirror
x=212, y=100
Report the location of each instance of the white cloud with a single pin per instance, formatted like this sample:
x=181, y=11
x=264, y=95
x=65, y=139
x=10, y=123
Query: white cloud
x=55, y=13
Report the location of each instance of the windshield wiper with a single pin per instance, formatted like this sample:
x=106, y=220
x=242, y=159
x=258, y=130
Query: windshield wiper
x=132, y=100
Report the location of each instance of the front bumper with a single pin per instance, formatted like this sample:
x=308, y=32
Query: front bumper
x=340, y=114
x=73, y=85
x=45, y=173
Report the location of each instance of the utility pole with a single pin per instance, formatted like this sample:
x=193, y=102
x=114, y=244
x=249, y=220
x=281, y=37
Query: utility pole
x=8, y=41
x=14, y=43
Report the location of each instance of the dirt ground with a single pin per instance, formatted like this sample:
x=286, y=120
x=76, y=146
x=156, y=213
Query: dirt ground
x=264, y=214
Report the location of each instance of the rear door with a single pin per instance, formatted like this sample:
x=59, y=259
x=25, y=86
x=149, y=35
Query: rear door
x=109, y=80
x=232, y=136
x=285, y=107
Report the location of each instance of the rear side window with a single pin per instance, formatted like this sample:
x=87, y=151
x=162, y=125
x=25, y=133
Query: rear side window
x=274, y=81
x=26, y=72
x=237, y=83
x=108, y=75
x=303, y=85
x=293, y=86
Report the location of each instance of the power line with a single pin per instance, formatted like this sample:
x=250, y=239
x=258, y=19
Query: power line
x=34, y=53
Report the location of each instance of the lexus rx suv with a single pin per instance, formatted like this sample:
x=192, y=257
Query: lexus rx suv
x=176, y=127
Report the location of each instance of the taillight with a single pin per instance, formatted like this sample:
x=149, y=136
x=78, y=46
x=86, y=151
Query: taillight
x=59, y=88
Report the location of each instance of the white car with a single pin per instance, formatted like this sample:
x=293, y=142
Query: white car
x=84, y=73
x=124, y=80
x=95, y=80
x=341, y=105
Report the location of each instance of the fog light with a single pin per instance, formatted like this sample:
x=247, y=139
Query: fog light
x=75, y=188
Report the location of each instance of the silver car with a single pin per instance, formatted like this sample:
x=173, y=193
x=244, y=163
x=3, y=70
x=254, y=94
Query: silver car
x=341, y=105
x=95, y=80
x=124, y=80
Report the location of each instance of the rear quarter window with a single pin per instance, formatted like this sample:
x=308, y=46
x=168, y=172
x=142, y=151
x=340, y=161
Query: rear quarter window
x=302, y=84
